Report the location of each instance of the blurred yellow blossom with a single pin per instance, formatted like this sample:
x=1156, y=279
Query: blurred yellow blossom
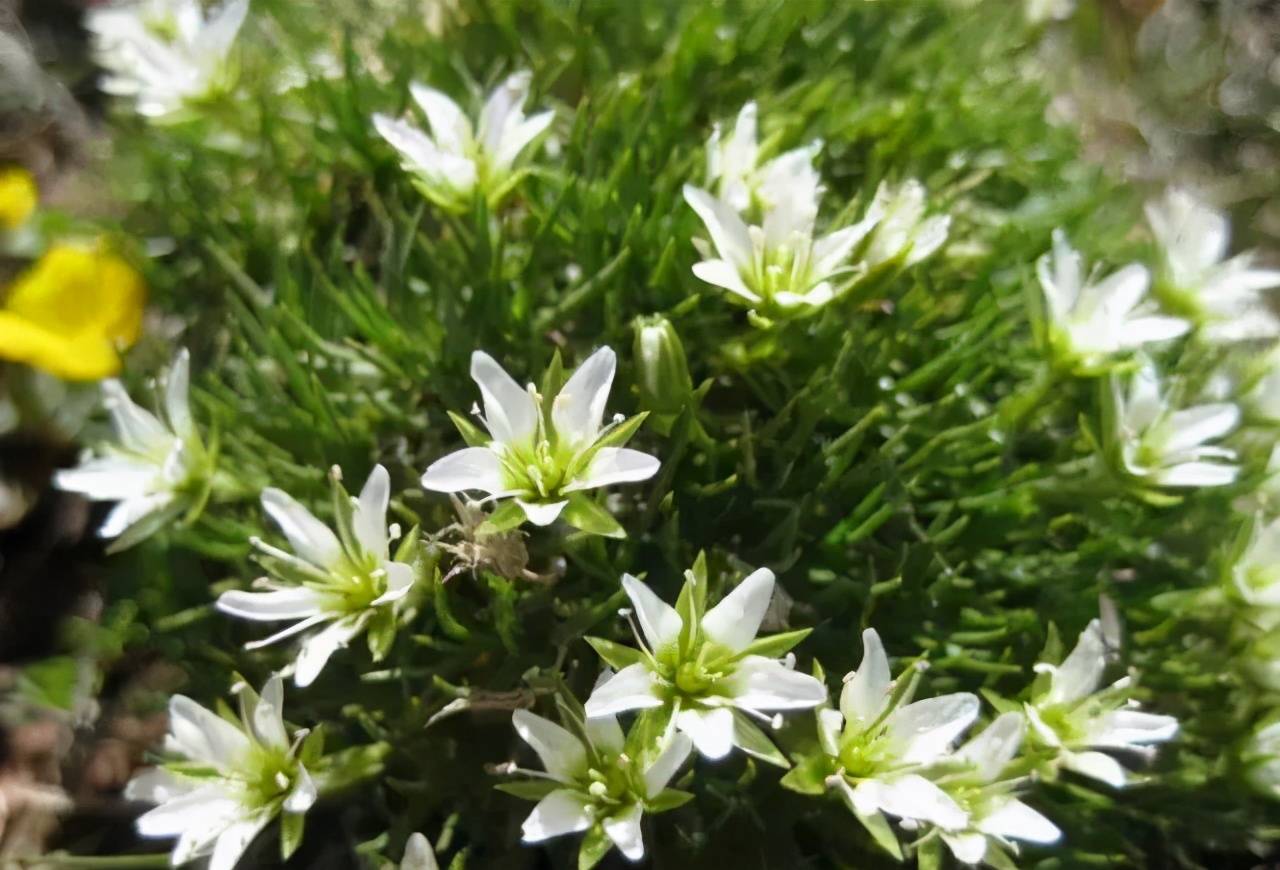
x=18, y=197
x=72, y=312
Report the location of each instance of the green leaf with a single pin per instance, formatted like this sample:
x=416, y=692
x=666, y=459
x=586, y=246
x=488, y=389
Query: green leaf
x=505, y=517
x=595, y=845
x=615, y=655
x=444, y=613
x=880, y=830
x=529, y=789
x=582, y=512
x=929, y=854
x=470, y=432
x=809, y=775
x=669, y=799
x=751, y=740
x=291, y=828
x=776, y=645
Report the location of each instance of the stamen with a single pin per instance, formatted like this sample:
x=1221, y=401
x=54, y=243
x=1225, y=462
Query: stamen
x=282, y=780
x=335, y=474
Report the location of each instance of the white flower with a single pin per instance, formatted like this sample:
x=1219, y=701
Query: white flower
x=735, y=174
x=456, y=159
x=231, y=782
x=1224, y=295
x=545, y=455
x=1264, y=396
x=592, y=784
x=703, y=667
x=164, y=53
x=882, y=744
x=778, y=265
x=1166, y=447
x=1088, y=321
x=1040, y=11
x=418, y=854
x=336, y=586
x=1255, y=572
x=903, y=231
x=1071, y=715
x=158, y=469
x=996, y=815
x=1261, y=758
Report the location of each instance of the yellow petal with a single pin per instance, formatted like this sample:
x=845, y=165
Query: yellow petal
x=18, y=197
x=75, y=292
x=87, y=357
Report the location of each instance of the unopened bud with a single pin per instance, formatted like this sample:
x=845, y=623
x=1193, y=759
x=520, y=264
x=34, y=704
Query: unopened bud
x=665, y=384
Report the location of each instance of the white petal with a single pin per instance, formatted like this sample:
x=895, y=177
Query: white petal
x=1143, y=405
x=201, y=735
x=863, y=699
x=615, y=465
x=135, y=511
x=138, y=430
x=316, y=650
x=310, y=538
x=926, y=729
x=992, y=750
x=510, y=412
x=1061, y=274
x=400, y=579
x=1096, y=766
x=1141, y=330
x=604, y=732
x=667, y=764
x=830, y=725
x=761, y=683
x=157, y=786
x=417, y=150
x=516, y=138
x=177, y=385
x=931, y=236
x=728, y=232
x=304, y=794
x=194, y=809
x=370, y=517
x=219, y=32
x=297, y=603
x=502, y=110
x=1122, y=290
x=577, y=411
x=1196, y=474
x=289, y=631
x=734, y=622
x=710, y=729
x=109, y=479
x=418, y=854
x=631, y=688
x=233, y=842
x=968, y=847
x=914, y=797
x=563, y=755
x=561, y=812
x=624, y=830
x=449, y=125
x=722, y=273
x=1120, y=729
x=472, y=468
x=542, y=514
x=1081, y=673
x=830, y=251
x=1193, y=426
x=659, y=621
x=267, y=717
x=1017, y=821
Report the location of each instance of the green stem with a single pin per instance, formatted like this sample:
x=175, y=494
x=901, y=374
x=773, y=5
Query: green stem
x=57, y=860
x=1020, y=408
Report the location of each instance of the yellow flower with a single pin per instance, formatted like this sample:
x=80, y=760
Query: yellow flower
x=18, y=197
x=72, y=312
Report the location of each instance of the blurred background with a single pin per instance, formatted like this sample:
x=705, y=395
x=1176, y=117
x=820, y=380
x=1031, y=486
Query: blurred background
x=1177, y=91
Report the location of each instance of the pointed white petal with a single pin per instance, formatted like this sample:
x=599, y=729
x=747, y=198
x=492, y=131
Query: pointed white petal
x=310, y=538
x=201, y=735
x=400, y=579
x=659, y=621
x=289, y=631
x=1122, y=290
x=316, y=650
x=510, y=412
x=297, y=603
x=830, y=725
x=604, y=732
x=157, y=786
x=1193, y=426
x=135, y=511
x=830, y=251
x=197, y=808
x=304, y=794
x=1015, y=820
x=969, y=847
x=631, y=688
x=1081, y=673
x=577, y=411
x=734, y=622
x=561, y=812
x=666, y=765
x=623, y=829
x=138, y=430
x=615, y=465
x=418, y=854
x=475, y=469
x=1121, y=729
x=931, y=236
x=864, y=697
x=992, y=750
x=710, y=729
x=1142, y=330
x=516, y=138
x=540, y=513
x=219, y=32
x=108, y=479
x=177, y=386
x=449, y=125
x=1061, y=274
x=563, y=755
x=268, y=715
x=1096, y=765
x=370, y=517
x=503, y=110
x=233, y=842
x=914, y=797
x=926, y=729
x=722, y=273
x=418, y=151
x=728, y=232
x=761, y=683
x=1143, y=405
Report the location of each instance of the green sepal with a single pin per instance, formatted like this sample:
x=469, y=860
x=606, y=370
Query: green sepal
x=929, y=854
x=615, y=654
x=999, y=702
x=645, y=737
x=291, y=828
x=582, y=512
x=407, y=549
x=312, y=748
x=505, y=517
x=470, y=432
x=344, y=518
x=809, y=775
x=619, y=434
x=692, y=603
x=669, y=799
x=529, y=789
x=751, y=740
x=880, y=830
x=595, y=845
x=552, y=382
x=380, y=634
x=350, y=766
x=776, y=645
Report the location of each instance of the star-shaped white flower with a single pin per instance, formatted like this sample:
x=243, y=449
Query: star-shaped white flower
x=335, y=585
x=736, y=175
x=903, y=232
x=996, y=816
x=706, y=666
x=1225, y=295
x=164, y=53
x=230, y=782
x=883, y=745
x=1169, y=448
x=1090, y=322
x=157, y=470
x=1072, y=714
x=545, y=455
x=456, y=159
x=593, y=785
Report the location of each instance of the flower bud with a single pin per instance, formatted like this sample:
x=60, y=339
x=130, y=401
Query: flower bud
x=665, y=384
